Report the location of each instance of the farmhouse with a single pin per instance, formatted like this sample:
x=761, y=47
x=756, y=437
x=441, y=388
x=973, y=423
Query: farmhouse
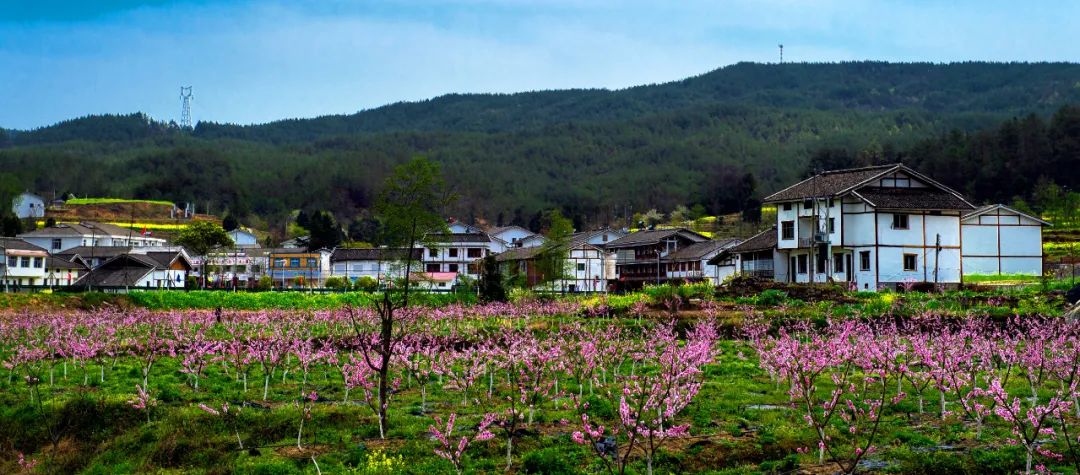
x=62, y=237
x=506, y=237
x=243, y=238
x=691, y=263
x=456, y=251
x=756, y=257
x=588, y=268
x=152, y=270
x=639, y=256
x=62, y=272
x=884, y=225
x=1001, y=240
x=296, y=267
x=28, y=206
x=24, y=263
x=381, y=264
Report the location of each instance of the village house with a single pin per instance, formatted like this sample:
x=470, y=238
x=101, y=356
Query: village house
x=507, y=237
x=639, y=256
x=885, y=225
x=691, y=263
x=233, y=267
x=998, y=239
x=63, y=272
x=62, y=237
x=756, y=257
x=298, y=268
x=28, y=206
x=588, y=268
x=149, y=270
x=456, y=251
x=243, y=238
x=24, y=263
x=381, y=264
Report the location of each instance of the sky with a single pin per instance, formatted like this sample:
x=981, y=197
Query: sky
x=259, y=61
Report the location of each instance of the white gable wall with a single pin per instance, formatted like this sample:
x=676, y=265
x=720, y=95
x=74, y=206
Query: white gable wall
x=1002, y=241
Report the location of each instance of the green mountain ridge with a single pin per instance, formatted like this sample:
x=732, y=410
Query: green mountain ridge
x=598, y=154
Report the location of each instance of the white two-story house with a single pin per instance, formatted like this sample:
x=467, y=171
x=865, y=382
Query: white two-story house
x=62, y=237
x=455, y=252
x=381, y=263
x=874, y=227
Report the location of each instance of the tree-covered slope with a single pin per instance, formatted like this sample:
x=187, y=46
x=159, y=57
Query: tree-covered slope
x=597, y=154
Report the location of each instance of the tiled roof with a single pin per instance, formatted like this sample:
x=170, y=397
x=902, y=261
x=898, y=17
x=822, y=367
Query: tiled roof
x=462, y=237
x=18, y=244
x=830, y=183
x=699, y=250
x=653, y=236
x=54, y=262
x=759, y=242
x=373, y=254
x=912, y=198
x=96, y=251
x=519, y=254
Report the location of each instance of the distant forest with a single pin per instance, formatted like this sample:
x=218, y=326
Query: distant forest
x=719, y=140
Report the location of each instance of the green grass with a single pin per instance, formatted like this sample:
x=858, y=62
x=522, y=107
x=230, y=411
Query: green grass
x=1011, y=278
x=105, y=201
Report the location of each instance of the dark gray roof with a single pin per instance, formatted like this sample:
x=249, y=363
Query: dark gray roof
x=830, y=183
x=164, y=259
x=55, y=262
x=698, y=251
x=912, y=198
x=758, y=242
x=120, y=271
x=653, y=236
x=86, y=228
x=95, y=251
x=462, y=237
x=519, y=254
x=18, y=244
x=373, y=254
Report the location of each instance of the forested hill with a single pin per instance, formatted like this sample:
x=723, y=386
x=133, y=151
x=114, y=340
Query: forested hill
x=594, y=153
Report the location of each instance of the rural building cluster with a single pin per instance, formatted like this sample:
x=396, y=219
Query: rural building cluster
x=873, y=227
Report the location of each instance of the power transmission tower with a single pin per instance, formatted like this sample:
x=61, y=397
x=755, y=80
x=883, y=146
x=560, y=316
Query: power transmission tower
x=185, y=112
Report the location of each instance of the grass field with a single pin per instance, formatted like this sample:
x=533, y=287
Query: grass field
x=105, y=201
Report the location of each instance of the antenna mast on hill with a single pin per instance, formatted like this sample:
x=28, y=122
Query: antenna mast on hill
x=781, y=45
x=185, y=110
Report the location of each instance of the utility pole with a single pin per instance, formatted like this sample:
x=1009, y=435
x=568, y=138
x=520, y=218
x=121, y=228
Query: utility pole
x=781, y=45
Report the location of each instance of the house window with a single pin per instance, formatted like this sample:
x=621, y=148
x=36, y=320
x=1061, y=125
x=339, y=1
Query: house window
x=13, y=262
x=821, y=259
x=581, y=267
x=808, y=204
x=864, y=260
x=832, y=203
x=311, y=263
x=57, y=244
x=787, y=206
x=787, y=230
x=433, y=253
x=838, y=262
x=39, y=262
x=910, y=262
x=432, y=268
x=832, y=225
x=604, y=238
x=802, y=263
x=25, y=262
x=453, y=268
x=453, y=252
x=899, y=221
x=474, y=252
x=294, y=262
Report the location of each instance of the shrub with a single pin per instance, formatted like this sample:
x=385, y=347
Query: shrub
x=772, y=297
x=366, y=283
x=336, y=283
x=549, y=461
x=265, y=283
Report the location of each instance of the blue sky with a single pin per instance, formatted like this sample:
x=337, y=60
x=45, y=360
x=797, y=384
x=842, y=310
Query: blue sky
x=257, y=61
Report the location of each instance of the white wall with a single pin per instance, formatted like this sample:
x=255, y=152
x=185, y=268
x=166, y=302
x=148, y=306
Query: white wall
x=1002, y=241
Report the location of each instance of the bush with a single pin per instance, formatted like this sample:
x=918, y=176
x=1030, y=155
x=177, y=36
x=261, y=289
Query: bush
x=336, y=283
x=550, y=461
x=265, y=283
x=772, y=297
x=366, y=283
